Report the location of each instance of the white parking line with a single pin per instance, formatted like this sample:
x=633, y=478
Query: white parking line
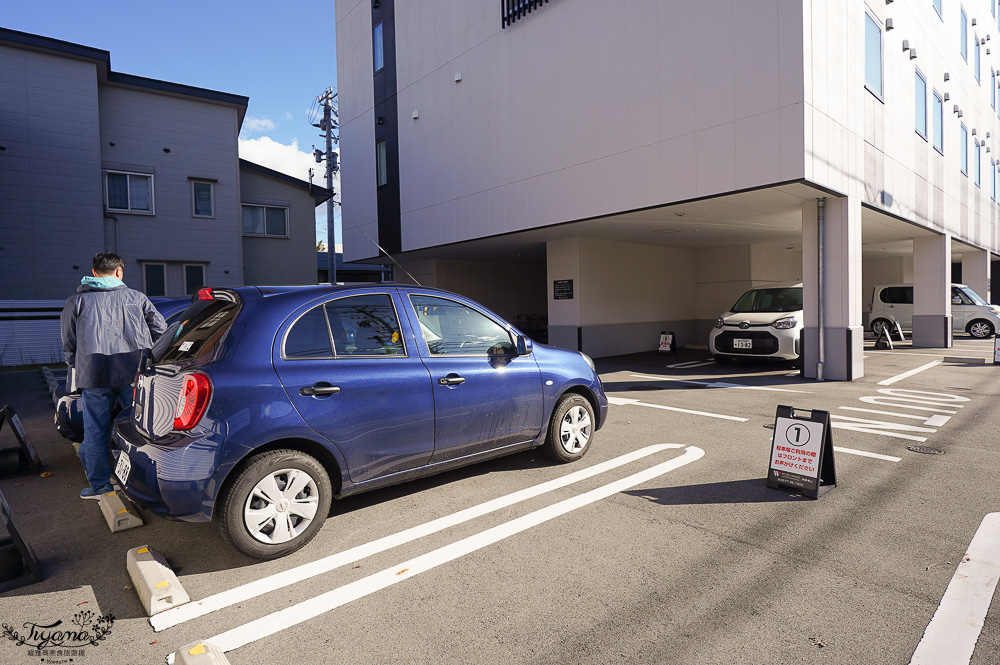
x=196, y=609
x=952, y=634
x=865, y=453
x=905, y=375
x=692, y=363
x=718, y=384
x=620, y=401
x=296, y=614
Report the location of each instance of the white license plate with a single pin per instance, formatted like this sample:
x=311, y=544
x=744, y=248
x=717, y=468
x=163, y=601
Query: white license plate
x=742, y=343
x=123, y=467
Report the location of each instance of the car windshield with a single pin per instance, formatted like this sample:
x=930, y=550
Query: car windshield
x=769, y=300
x=972, y=295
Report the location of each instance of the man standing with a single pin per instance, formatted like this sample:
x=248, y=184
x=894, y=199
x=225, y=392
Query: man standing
x=105, y=327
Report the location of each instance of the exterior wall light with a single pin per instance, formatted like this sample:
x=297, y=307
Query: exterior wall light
x=888, y=24
x=906, y=44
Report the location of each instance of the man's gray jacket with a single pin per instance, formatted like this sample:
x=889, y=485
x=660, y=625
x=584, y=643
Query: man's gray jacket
x=104, y=332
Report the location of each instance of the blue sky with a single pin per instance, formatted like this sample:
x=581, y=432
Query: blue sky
x=280, y=55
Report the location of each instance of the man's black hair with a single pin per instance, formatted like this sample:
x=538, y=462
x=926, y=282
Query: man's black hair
x=105, y=263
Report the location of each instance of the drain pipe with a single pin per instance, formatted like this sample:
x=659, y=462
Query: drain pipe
x=821, y=219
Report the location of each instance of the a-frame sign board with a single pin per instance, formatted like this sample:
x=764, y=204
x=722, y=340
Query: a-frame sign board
x=802, y=452
x=18, y=563
x=28, y=459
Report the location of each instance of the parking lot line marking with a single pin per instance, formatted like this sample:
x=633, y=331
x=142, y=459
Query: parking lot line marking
x=692, y=363
x=865, y=453
x=323, y=603
x=620, y=401
x=879, y=427
x=906, y=375
x=223, y=599
x=903, y=352
x=885, y=413
x=954, y=630
x=718, y=384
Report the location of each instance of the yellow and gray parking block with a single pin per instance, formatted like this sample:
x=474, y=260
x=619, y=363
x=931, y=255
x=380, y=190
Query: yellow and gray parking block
x=157, y=585
x=200, y=653
x=118, y=514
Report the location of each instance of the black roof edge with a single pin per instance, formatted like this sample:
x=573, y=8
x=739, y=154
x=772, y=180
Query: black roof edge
x=40, y=42
x=178, y=88
x=320, y=194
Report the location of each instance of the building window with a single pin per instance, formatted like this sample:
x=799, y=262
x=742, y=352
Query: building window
x=378, y=50
x=976, y=59
x=154, y=279
x=977, y=168
x=194, y=277
x=270, y=221
x=993, y=178
x=203, y=198
x=129, y=192
x=937, y=118
x=963, y=149
x=937, y=8
x=381, y=168
x=963, y=36
x=920, y=104
x=873, y=56
x=993, y=88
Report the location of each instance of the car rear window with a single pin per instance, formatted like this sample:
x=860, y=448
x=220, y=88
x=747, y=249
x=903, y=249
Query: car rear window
x=196, y=332
x=770, y=300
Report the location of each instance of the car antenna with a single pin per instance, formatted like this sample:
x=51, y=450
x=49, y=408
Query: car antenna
x=385, y=252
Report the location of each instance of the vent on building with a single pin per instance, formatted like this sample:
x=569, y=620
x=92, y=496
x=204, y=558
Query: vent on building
x=512, y=10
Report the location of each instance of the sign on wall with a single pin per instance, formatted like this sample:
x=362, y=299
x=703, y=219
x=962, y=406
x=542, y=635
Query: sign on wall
x=802, y=452
x=562, y=289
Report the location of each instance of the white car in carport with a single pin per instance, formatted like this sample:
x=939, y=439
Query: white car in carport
x=765, y=322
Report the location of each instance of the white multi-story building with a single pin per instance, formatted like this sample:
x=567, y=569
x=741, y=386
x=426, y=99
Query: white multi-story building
x=654, y=158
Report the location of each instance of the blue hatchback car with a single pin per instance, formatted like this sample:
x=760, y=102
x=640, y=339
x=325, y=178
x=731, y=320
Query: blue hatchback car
x=260, y=405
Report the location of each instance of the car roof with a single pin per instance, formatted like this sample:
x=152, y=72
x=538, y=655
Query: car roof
x=777, y=285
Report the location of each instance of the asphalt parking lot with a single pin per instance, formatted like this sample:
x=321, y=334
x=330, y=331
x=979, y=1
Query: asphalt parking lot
x=662, y=545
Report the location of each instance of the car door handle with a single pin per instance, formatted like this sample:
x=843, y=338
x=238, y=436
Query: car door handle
x=451, y=380
x=319, y=389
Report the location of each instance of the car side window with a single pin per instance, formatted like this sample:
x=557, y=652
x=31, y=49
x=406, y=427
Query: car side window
x=451, y=328
x=309, y=337
x=365, y=325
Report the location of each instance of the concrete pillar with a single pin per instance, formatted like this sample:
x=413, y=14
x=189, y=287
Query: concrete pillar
x=564, y=260
x=843, y=334
x=932, y=291
x=976, y=272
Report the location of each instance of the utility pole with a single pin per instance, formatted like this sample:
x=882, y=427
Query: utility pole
x=330, y=124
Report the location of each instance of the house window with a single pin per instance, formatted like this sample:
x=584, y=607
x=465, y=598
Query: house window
x=977, y=61
x=259, y=220
x=129, y=192
x=977, y=169
x=938, y=119
x=963, y=36
x=873, y=56
x=194, y=277
x=203, y=198
x=378, y=50
x=937, y=8
x=381, y=168
x=993, y=88
x=920, y=104
x=963, y=149
x=154, y=279
x=993, y=178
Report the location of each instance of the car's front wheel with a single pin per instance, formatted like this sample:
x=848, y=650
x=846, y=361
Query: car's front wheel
x=981, y=329
x=276, y=503
x=571, y=428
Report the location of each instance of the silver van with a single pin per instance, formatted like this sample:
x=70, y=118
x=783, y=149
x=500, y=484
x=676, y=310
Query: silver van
x=970, y=313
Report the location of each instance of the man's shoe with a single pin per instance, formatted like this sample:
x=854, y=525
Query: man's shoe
x=91, y=493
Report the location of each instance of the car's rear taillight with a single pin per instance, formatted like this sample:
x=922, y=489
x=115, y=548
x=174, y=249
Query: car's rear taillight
x=191, y=405
x=205, y=293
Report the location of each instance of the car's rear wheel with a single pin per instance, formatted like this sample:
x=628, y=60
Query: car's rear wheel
x=571, y=429
x=276, y=504
x=981, y=329
x=878, y=325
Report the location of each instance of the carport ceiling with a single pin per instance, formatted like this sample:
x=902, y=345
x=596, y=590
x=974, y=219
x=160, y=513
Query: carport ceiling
x=770, y=216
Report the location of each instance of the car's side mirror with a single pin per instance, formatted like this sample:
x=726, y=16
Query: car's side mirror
x=523, y=345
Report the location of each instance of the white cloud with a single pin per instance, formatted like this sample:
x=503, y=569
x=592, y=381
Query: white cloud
x=288, y=115
x=253, y=124
x=287, y=159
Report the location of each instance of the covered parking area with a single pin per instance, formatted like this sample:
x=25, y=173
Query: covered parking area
x=608, y=285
